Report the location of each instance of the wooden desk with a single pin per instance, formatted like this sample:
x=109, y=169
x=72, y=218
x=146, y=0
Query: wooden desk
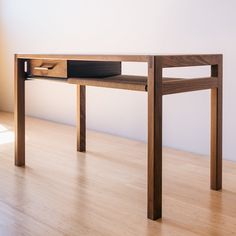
x=156, y=86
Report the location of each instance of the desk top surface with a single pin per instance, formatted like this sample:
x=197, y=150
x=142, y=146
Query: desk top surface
x=134, y=58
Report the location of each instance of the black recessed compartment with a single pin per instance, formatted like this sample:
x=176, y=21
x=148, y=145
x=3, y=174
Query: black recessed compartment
x=93, y=69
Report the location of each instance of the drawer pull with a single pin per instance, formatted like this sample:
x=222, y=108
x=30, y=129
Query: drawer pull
x=45, y=67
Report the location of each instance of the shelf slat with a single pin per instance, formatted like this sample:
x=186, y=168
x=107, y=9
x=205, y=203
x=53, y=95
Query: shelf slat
x=129, y=82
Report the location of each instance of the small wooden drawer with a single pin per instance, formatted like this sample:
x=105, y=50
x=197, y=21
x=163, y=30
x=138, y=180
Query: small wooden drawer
x=48, y=68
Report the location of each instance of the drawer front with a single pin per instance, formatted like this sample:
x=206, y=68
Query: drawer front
x=48, y=68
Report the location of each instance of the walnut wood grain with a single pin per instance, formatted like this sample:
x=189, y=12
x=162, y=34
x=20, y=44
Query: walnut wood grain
x=189, y=60
x=188, y=85
x=19, y=111
x=81, y=118
x=134, y=58
x=137, y=83
x=168, y=60
x=216, y=128
x=155, y=138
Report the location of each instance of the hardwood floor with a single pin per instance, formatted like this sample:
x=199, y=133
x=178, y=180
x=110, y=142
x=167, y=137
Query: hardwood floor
x=103, y=191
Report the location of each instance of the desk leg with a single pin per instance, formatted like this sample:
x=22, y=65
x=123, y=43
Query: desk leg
x=216, y=129
x=154, y=138
x=19, y=112
x=81, y=118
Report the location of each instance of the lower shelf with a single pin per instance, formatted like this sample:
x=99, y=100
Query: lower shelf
x=139, y=83
x=129, y=82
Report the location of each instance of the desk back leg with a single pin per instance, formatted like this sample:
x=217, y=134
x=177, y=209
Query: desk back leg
x=19, y=111
x=81, y=118
x=216, y=128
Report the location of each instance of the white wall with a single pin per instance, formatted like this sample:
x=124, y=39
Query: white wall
x=123, y=27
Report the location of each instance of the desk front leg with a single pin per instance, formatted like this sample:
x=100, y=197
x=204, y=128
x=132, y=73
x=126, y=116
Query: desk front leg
x=81, y=118
x=154, y=138
x=19, y=111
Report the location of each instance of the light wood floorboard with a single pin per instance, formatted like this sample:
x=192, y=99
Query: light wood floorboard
x=103, y=191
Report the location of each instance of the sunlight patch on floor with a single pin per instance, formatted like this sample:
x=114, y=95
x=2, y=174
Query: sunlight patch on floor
x=3, y=128
x=6, y=136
